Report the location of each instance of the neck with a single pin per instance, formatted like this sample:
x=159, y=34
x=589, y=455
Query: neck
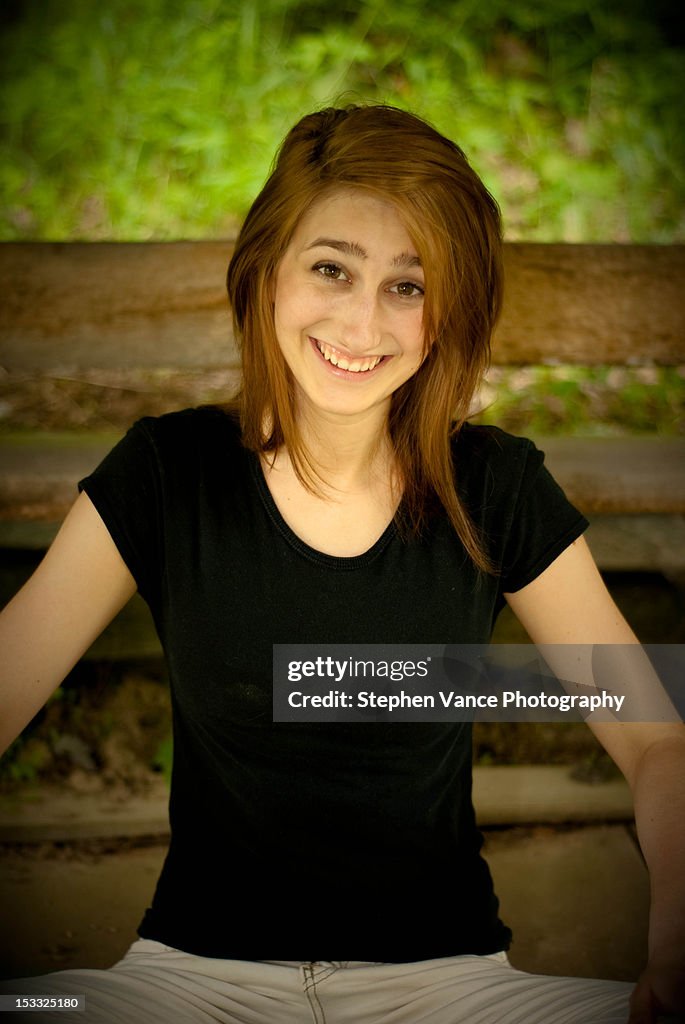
x=347, y=451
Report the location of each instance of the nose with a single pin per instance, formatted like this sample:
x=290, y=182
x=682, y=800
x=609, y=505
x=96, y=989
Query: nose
x=361, y=323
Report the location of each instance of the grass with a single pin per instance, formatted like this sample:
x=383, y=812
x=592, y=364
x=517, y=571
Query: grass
x=588, y=401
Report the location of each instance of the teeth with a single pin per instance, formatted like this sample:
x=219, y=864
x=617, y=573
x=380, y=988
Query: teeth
x=345, y=364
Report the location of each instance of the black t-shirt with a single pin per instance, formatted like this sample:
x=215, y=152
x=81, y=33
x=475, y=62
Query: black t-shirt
x=314, y=841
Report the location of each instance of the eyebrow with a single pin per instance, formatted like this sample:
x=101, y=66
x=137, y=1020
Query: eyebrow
x=405, y=259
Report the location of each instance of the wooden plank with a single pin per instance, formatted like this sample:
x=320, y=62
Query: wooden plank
x=603, y=476
x=114, y=305
x=593, y=304
x=639, y=544
x=619, y=475
x=106, y=305
x=39, y=473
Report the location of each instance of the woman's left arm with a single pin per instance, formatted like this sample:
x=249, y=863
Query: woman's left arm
x=569, y=604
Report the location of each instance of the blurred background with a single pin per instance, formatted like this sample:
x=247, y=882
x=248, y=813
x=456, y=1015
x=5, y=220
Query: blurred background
x=157, y=119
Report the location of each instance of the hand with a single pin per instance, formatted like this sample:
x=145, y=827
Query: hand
x=659, y=995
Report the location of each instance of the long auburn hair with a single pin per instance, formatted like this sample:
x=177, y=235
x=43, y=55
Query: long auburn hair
x=454, y=223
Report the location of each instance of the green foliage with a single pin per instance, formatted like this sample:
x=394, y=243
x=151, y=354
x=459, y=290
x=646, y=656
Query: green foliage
x=584, y=400
x=30, y=754
x=159, y=118
x=163, y=759
x=24, y=760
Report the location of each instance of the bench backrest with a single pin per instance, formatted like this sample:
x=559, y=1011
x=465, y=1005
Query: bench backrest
x=125, y=305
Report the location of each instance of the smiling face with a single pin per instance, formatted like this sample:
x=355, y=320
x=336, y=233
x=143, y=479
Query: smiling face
x=349, y=306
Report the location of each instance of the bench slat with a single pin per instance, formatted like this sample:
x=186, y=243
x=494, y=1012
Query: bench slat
x=114, y=305
x=620, y=475
x=603, y=476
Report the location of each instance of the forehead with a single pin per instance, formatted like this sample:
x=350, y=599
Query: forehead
x=354, y=215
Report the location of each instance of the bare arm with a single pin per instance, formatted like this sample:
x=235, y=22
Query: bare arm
x=569, y=604
x=74, y=593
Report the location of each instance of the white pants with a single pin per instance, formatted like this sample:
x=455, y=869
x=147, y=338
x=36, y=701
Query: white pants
x=155, y=984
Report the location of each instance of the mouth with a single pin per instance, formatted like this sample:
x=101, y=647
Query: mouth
x=361, y=365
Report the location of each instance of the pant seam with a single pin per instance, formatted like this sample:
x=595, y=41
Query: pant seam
x=312, y=995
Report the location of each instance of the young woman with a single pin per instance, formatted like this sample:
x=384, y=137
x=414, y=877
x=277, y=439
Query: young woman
x=342, y=498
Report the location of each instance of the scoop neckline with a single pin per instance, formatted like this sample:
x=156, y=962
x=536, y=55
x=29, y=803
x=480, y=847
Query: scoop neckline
x=301, y=546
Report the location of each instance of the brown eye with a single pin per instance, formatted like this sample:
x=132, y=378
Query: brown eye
x=408, y=290
x=330, y=270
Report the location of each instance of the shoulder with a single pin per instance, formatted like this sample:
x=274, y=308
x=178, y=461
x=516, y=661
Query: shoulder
x=203, y=420
x=205, y=429
x=515, y=502
x=188, y=445
x=489, y=442
x=486, y=456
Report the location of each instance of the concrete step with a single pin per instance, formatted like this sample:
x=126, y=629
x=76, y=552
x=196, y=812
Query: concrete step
x=503, y=795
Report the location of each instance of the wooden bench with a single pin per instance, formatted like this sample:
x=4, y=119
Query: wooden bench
x=74, y=309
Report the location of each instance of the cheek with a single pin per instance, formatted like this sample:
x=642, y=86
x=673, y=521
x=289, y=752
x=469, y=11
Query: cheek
x=285, y=306
x=415, y=336
x=298, y=309
x=284, y=292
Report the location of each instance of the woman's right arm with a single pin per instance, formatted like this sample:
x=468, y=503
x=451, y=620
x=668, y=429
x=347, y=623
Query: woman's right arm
x=74, y=593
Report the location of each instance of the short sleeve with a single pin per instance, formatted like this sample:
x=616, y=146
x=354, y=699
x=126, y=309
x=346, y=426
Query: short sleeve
x=125, y=489
x=543, y=524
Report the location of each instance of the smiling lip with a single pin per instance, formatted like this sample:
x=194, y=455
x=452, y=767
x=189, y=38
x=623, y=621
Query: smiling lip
x=349, y=365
